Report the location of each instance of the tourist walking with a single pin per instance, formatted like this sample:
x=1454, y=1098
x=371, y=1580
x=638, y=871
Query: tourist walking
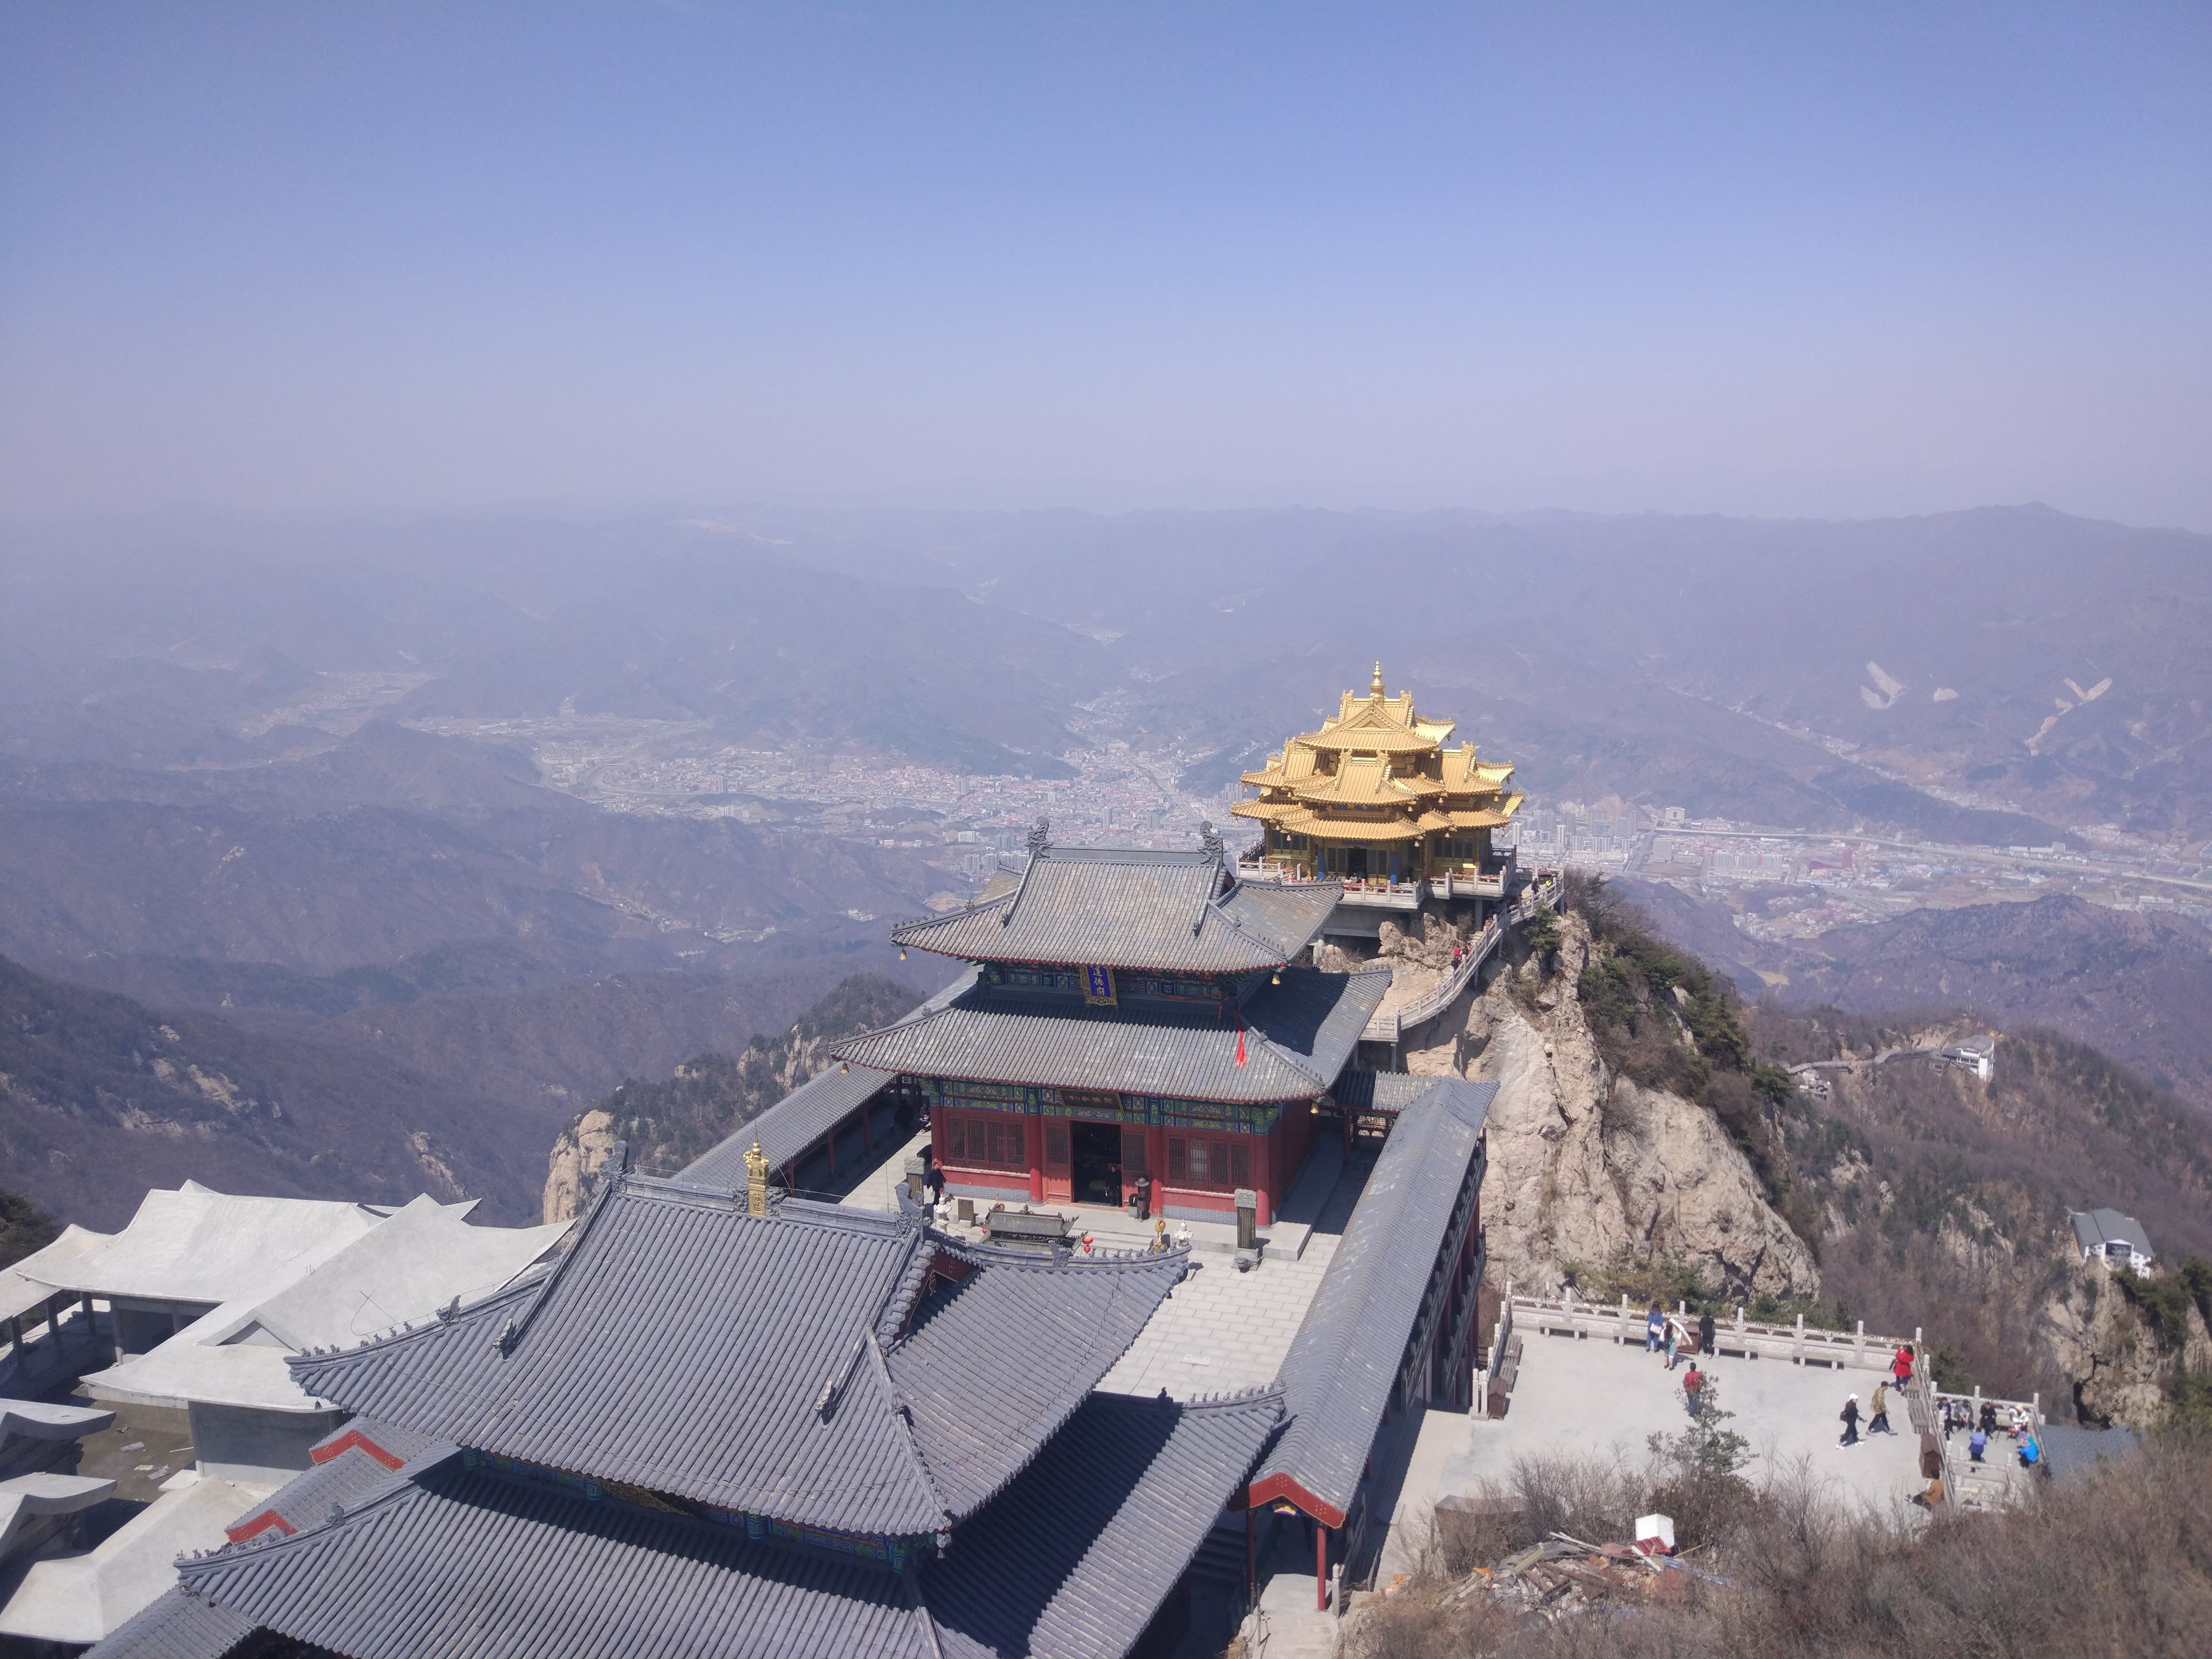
x=1674, y=1341
x=1693, y=1388
x=1849, y=1415
x=1708, y=1334
x=1977, y=1442
x=1901, y=1367
x=1655, y=1327
x=1879, y=1422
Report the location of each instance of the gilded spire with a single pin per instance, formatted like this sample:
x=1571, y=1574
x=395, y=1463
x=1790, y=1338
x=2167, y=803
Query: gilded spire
x=756, y=1180
x=1376, y=686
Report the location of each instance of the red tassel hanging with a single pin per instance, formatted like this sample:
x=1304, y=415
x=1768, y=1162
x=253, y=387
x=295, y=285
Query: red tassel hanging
x=1239, y=1045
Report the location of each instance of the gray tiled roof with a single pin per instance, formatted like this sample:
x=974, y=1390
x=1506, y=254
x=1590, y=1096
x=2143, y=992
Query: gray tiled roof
x=675, y=1317
x=1357, y=1090
x=992, y=1368
x=2094, y=1228
x=788, y=1128
x=467, y=1565
x=175, y=1625
x=308, y=1499
x=1073, y=1558
x=1298, y=1036
x=393, y=1439
x=1121, y=908
x=1338, y=1375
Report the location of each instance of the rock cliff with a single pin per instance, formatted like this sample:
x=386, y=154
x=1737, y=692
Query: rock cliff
x=2122, y=1372
x=1587, y=1167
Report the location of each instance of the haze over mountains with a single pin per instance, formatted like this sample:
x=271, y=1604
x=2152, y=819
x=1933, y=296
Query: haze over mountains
x=297, y=774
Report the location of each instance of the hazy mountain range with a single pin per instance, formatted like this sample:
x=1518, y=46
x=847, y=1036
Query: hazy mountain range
x=229, y=788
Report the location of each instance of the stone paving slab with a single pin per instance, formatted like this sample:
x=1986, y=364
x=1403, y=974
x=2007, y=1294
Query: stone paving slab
x=1220, y=1330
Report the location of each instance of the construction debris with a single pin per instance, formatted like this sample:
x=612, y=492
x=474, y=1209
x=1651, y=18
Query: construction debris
x=1564, y=1575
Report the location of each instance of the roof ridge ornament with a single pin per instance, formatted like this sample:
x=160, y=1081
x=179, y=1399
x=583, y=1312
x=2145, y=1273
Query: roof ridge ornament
x=756, y=1179
x=1375, y=686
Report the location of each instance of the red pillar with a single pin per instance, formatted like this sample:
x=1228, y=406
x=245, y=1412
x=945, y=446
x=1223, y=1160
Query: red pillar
x=1321, y=1566
x=1033, y=1137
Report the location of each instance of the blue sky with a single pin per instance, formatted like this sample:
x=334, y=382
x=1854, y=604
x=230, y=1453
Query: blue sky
x=1784, y=259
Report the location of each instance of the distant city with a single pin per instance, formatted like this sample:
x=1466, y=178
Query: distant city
x=1854, y=877
x=963, y=822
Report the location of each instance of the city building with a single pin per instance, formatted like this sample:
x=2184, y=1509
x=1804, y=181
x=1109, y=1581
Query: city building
x=1375, y=796
x=1126, y=1017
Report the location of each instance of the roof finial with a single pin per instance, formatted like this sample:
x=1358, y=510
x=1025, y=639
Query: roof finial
x=1040, y=838
x=1376, y=686
x=756, y=1180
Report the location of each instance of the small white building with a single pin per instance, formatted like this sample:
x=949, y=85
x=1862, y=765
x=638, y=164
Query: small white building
x=2117, y=1240
x=1978, y=1054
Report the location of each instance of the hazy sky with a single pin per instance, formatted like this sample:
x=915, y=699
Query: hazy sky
x=1784, y=258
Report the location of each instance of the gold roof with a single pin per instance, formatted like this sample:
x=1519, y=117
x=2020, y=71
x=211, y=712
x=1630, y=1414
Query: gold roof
x=1361, y=780
x=1303, y=820
x=1486, y=818
x=1379, y=772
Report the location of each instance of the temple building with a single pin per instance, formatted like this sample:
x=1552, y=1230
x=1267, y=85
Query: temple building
x=1127, y=1015
x=1376, y=797
x=732, y=1424
x=734, y=1421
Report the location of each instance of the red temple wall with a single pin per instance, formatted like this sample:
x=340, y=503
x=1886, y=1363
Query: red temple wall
x=1012, y=1157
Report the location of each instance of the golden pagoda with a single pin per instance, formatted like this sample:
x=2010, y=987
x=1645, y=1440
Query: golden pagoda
x=1375, y=795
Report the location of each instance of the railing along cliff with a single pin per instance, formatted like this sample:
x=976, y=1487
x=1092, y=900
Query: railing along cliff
x=1390, y=1024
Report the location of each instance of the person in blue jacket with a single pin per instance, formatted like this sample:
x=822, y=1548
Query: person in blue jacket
x=1977, y=1442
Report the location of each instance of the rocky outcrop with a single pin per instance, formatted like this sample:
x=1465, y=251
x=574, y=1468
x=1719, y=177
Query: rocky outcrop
x=1416, y=949
x=2102, y=1340
x=1586, y=1167
x=577, y=1156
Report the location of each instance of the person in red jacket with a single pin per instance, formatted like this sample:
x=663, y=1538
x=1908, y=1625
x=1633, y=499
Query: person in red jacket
x=1901, y=1367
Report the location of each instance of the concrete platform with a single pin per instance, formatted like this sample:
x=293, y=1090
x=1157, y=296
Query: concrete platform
x=1593, y=1399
